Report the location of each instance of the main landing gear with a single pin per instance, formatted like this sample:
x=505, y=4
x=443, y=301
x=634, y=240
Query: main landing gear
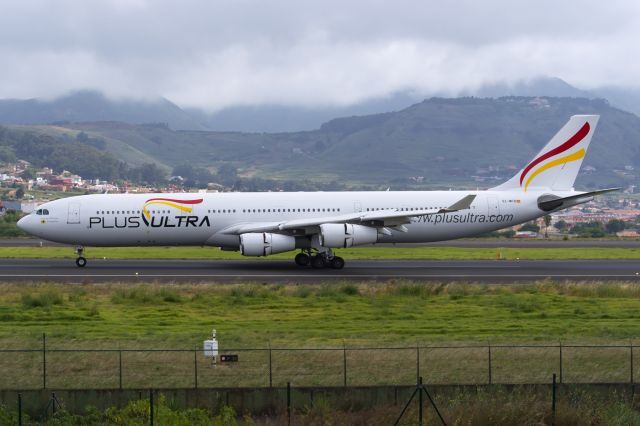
x=81, y=261
x=319, y=260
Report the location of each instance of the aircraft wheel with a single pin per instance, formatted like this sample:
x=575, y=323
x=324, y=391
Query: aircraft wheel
x=337, y=262
x=302, y=259
x=81, y=262
x=317, y=262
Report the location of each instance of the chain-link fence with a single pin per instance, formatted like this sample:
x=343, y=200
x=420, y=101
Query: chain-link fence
x=62, y=368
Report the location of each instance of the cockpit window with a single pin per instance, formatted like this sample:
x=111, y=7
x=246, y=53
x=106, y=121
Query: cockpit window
x=42, y=212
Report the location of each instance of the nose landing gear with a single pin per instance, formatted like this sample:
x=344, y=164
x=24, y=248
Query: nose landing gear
x=81, y=261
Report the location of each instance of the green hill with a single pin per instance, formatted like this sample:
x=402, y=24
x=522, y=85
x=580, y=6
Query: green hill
x=463, y=142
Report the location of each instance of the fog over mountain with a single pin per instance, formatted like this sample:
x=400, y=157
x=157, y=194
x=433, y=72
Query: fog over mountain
x=87, y=106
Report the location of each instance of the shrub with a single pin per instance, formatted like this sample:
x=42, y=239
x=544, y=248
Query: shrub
x=42, y=300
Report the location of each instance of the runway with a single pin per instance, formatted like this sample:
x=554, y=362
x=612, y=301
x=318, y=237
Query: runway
x=467, y=243
x=498, y=271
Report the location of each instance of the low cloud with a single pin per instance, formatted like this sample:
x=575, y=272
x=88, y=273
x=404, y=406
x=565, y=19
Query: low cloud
x=213, y=54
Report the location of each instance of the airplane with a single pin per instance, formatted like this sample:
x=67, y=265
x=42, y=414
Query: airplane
x=316, y=223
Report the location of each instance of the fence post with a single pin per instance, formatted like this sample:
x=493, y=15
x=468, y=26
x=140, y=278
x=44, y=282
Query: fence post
x=195, y=368
x=489, y=353
x=631, y=362
x=44, y=361
x=19, y=409
x=270, y=368
x=417, y=361
x=560, y=346
x=344, y=364
x=420, y=401
x=289, y=403
x=120, y=368
x=553, y=401
x=151, y=407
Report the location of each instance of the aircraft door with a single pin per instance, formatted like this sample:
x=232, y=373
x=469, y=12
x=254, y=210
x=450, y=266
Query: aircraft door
x=357, y=206
x=493, y=204
x=74, y=213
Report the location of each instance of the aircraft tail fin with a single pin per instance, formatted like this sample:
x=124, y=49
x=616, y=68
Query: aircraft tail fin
x=558, y=163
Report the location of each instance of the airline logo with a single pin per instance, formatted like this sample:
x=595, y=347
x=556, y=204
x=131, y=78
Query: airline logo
x=178, y=216
x=182, y=205
x=530, y=172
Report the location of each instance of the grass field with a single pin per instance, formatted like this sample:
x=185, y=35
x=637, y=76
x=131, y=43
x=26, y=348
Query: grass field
x=392, y=314
x=362, y=253
x=176, y=315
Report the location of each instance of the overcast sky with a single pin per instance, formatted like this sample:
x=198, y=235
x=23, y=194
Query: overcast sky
x=212, y=54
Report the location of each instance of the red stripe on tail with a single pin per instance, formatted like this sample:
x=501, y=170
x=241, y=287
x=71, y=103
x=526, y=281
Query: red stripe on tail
x=572, y=141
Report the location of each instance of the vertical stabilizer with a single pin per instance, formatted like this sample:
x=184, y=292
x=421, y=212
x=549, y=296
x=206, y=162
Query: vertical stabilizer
x=557, y=165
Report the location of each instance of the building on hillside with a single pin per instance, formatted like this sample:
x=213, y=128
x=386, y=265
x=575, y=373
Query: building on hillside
x=25, y=206
x=628, y=233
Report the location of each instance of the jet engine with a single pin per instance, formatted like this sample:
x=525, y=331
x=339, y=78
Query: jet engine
x=264, y=244
x=345, y=235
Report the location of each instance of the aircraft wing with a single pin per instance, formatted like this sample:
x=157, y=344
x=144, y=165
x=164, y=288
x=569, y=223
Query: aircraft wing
x=378, y=218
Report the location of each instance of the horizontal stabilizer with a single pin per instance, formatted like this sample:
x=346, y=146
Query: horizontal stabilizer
x=551, y=202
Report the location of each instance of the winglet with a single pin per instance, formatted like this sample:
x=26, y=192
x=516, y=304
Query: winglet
x=462, y=204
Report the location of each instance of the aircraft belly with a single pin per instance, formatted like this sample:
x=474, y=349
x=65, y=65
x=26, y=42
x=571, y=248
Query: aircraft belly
x=135, y=237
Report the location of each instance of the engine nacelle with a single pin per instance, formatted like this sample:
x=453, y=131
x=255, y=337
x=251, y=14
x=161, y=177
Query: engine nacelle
x=264, y=244
x=343, y=235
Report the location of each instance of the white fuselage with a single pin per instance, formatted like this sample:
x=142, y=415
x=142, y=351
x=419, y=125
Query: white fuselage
x=131, y=220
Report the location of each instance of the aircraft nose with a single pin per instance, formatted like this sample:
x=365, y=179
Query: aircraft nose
x=24, y=224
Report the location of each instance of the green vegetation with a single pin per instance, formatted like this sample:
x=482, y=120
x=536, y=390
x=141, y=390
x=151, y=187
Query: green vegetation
x=8, y=226
x=78, y=155
x=495, y=406
x=452, y=323
x=135, y=412
x=362, y=253
x=253, y=314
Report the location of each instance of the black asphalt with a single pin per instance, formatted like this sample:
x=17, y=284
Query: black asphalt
x=498, y=271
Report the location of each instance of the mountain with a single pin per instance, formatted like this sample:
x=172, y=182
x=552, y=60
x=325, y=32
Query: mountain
x=288, y=118
x=87, y=105
x=621, y=97
x=92, y=106
x=465, y=142
x=291, y=118
x=541, y=86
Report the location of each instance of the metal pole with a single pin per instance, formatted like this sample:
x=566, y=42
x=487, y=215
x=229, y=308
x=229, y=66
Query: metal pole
x=420, y=401
x=53, y=405
x=120, y=367
x=560, y=362
x=270, y=368
x=489, y=347
x=195, y=368
x=19, y=409
x=151, y=407
x=44, y=361
x=344, y=364
x=631, y=362
x=553, y=401
x=289, y=403
x=418, y=361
